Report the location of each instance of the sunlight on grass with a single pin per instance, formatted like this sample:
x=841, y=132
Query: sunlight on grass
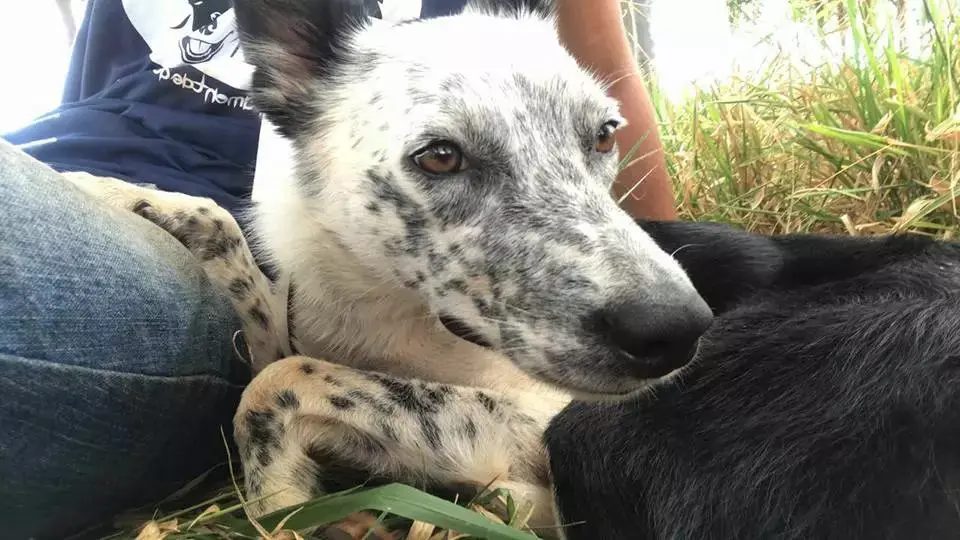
x=866, y=143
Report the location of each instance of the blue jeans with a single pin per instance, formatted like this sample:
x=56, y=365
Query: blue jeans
x=117, y=368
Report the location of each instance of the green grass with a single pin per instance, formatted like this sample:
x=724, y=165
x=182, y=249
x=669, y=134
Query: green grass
x=867, y=144
x=222, y=516
x=864, y=145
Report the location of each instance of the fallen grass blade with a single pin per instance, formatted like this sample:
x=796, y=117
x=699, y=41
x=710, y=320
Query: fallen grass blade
x=396, y=499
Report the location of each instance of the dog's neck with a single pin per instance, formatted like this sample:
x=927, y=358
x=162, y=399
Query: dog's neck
x=341, y=311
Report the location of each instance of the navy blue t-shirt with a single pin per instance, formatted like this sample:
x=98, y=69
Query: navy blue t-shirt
x=157, y=93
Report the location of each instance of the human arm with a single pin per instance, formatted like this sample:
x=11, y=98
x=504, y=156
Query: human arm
x=593, y=31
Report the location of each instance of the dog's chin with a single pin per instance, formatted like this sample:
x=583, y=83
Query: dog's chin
x=589, y=388
x=594, y=390
x=601, y=393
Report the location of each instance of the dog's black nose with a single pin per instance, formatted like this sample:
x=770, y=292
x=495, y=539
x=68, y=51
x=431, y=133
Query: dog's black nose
x=658, y=338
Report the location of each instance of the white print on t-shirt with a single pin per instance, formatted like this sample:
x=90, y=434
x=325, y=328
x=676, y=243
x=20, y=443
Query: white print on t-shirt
x=203, y=33
x=211, y=94
x=198, y=33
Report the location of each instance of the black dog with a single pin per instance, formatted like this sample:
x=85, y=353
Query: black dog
x=824, y=403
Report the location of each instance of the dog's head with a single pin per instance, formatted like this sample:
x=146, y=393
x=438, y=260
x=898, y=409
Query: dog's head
x=469, y=159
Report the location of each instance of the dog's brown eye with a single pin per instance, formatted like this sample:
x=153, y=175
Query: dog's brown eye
x=440, y=158
x=605, y=137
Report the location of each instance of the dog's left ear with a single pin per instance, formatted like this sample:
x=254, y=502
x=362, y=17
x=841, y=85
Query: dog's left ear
x=293, y=45
x=543, y=8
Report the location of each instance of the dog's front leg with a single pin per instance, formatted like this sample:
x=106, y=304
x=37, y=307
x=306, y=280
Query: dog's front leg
x=307, y=427
x=215, y=238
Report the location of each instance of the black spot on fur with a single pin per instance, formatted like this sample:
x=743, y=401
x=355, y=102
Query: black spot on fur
x=342, y=403
x=424, y=401
x=373, y=208
x=254, y=481
x=430, y=430
x=483, y=307
x=306, y=369
x=259, y=317
x=488, y=403
x=331, y=380
x=457, y=285
x=264, y=435
x=287, y=399
x=394, y=248
x=203, y=210
x=385, y=191
x=140, y=206
x=438, y=394
x=372, y=402
x=239, y=288
x=413, y=239
x=340, y=471
x=451, y=84
x=470, y=429
x=437, y=261
x=401, y=392
x=420, y=97
x=218, y=246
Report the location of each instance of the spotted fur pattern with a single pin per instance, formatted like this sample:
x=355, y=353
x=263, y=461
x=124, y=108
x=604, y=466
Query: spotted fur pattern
x=494, y=283
x=389, y=255
x=523, y=252
x=215, y=238
x=460, y=314
x=309, y=427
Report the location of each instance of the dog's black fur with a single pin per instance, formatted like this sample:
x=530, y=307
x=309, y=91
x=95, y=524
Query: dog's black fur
x=306, y=44
x=825, y=402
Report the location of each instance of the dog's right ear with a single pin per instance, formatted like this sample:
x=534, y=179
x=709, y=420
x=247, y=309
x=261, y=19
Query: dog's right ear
x=292, y=44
